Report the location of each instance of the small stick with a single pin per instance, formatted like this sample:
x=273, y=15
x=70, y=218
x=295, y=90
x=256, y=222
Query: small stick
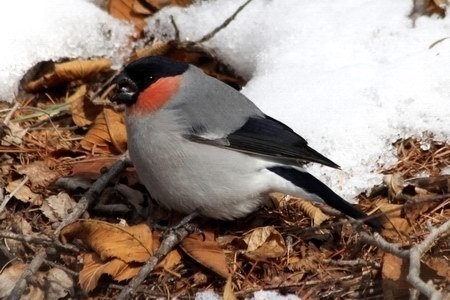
x=172, y=239
x=210, y=35
x=31, y=270
x=8, y=197
x=91, y=195
x=415, y=255
x=37, y=240
x=11, y=113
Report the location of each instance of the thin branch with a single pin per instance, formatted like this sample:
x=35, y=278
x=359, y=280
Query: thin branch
x=37, y=240
x=8, y=197
x=377, y=240
x=210, y=35
x=415, y=255
x=63, y=268
x=172, y=239
x=31, y=270
x=11, y=113
x=175, y=27
x=94, y=191
x=353, y=263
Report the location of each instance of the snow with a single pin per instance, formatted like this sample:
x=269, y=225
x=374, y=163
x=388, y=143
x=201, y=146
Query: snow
x=33, y=31
x=350, y=76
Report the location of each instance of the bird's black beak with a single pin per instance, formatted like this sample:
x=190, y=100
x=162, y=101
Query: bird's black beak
x=126, y=90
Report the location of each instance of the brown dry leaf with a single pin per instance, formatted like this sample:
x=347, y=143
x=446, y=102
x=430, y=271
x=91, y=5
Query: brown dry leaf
x=21, y=226
x=312, y=211
x=264, y=242
x=14, y=135
x=440, y=265
x=156, y=48
x=58, y=284
x=108, y=134
x=128, y=243
x=228, y=293
x=83, y=110
x=68, y=71
x=94, y=268
x=9, y=277
x=395, y=226
x=394, y=271
x=136, y=11
x=206, y=251
x=57, y=207
x=315, y=213
x=24, y=194
x=390, y=210
x=395, y=184
x=40, y=174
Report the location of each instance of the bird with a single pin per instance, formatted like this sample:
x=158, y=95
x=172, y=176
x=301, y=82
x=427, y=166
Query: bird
x=201, y=146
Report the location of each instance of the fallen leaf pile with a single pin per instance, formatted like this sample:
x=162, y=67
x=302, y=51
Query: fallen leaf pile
x=66, y=132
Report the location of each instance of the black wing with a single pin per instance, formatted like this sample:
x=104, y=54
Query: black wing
x=263, y=135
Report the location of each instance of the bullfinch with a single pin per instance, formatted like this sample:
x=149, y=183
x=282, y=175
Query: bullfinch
x=201, y=146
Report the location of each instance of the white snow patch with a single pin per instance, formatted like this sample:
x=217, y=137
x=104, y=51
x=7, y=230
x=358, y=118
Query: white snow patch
x=349, y=76
x=34, y=31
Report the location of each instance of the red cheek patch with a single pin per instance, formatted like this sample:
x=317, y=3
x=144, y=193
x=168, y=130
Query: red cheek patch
x=156, y=95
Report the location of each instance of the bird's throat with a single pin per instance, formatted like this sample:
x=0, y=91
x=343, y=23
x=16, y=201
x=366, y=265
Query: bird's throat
x=156, y=95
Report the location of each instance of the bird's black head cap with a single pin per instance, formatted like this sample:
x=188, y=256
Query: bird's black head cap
x=141, y=73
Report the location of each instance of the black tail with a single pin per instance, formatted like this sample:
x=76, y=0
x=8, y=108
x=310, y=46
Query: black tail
x=312, y=185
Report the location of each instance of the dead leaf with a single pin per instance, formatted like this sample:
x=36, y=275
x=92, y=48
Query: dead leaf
x=136, y=11
x=108, y=134
x=40, y=174
x=206, y=251
x=14, y=135
x=58, y=73
x=21, y=226
x=57, y=207
x=390, y=210
x=228, y=293
x=394, y=228
x=83, y=110
x=128, y=243
x=58, y=284
x=395, y=184
x=24, y=194
x=264, y=242
x=440, y=265
x=94, y=267
x=315, y=213
x=11, y=275
x=120, y=251
x=394, y=272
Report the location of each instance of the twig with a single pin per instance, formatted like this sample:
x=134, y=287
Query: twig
x=377, y=240
x=172, y=239
x=37, y=240
x=94, y=191
x=175, y=27
x=8, y=197
x=352, y=263
x=304, y=283
x=32, y=268
x=63, y=268
x=224, y=24
x=415, y=255
x=11, y=113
